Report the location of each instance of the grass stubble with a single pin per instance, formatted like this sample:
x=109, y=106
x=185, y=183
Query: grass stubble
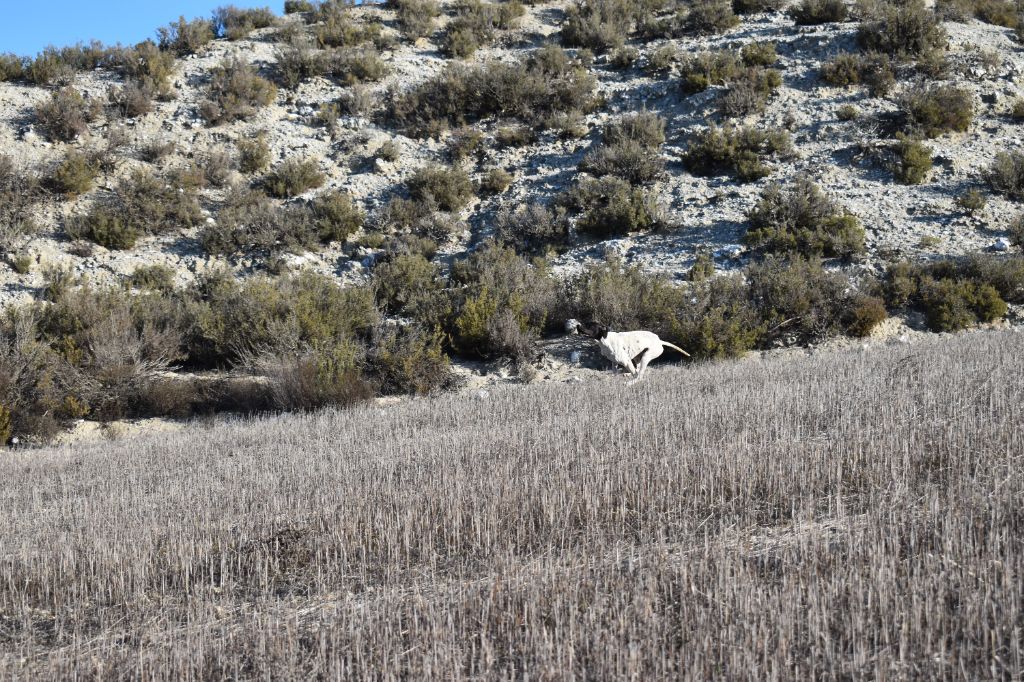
x=856, y=515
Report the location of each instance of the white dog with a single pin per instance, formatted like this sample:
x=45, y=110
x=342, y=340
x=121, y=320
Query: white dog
x=630, y=350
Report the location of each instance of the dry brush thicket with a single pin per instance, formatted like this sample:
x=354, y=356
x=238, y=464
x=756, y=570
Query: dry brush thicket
x=739, y=521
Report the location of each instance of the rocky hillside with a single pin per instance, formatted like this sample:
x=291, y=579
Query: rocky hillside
x=688, y=139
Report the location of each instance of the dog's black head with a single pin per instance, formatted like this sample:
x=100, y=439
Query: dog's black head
x=593, y=329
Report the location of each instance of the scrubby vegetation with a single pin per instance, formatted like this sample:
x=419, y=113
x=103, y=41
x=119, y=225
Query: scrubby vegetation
x=1006, y=175
x=629, y=149
x=740, y=152
x=236, y=92
x=802, y=219
x=65, y=115
x=544, y=85
x=938, y=109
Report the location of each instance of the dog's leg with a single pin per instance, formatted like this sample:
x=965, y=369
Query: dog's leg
x=638, y=372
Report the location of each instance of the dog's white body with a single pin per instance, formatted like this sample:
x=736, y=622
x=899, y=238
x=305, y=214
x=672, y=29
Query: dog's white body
x=632, y=351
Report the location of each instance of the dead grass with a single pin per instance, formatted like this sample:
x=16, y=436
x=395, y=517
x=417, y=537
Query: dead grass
x=835, y=516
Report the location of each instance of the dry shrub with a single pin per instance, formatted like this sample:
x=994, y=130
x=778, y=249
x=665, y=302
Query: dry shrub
x=297, y=61
x=748, y=92
x=630, y=149
x=75, y=173
x=705, y=69
x=802, y=219
x=598, y=24
x=292, y=177
x=312, y=379
x=236, y=92
x=532, y=228
x=358, y=65
x=65, y=115
x=476, y=23
x=546, y=83
x=814, y=12
x=249, y=222
x=335, y=216
x=709, y=17
x=415, y=17
x=495, y=181
x=902, y=29
x=253, y=154
x=186, y=37
x=448, y=188
x=1006, y=174
x=235, y=23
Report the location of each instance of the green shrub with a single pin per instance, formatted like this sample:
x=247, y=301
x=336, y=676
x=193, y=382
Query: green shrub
x=661, y=60
x=737, y=151
x=186, y=37
x=706, y=69
x=504, y=303
x=450, y=189
x=298, y=6
x=146, y=66
x=703, y=267
x=624, y=297
x=153, y=278
x=913, y=160
x=955, y=295
x=293, y=177
x=901, y=28
x=1016, y=231
x=335, y=217
x=409, y=360
x=235, y=92
x=534, y=91
x=1006, y=174
x=65, y=115
x=802, y=219
x=408, y=284
x=814, y=12
x=75, y=173
x=141, y=204
x=532, y=228
x=415, y=17
x=514, y=136
x=12, y=67
x=107, y=228
x=610, y=207
x=953, y=305
x=842, y=70
x=800, y=301
x=253, y=154
x=759, y=54
x=623, y=57
x=938, y=109
x=388, y=151
x=234, y=23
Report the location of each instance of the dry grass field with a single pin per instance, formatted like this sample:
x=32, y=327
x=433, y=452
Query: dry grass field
x=855, y=515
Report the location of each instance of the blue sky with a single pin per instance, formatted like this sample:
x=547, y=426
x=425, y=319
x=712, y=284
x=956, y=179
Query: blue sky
x=30, y=25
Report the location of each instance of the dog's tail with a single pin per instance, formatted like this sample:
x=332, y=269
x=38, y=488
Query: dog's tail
x=669, y=345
